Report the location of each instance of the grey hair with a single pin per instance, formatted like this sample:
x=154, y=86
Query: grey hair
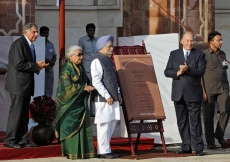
x=188, y=32
x=28, y=26
x=71, y=51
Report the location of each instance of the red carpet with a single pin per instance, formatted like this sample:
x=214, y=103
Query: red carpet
x=54, y=150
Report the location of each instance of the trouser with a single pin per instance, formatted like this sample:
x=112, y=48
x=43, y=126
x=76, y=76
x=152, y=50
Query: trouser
x=104, y=134
x=18, y=119
x=90, y=102
x=223, y=101
x=49, y=82
x=189, y=116
x=91, y=105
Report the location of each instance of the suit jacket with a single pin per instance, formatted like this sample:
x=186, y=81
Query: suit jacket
x=21, y=69
x=189, y=83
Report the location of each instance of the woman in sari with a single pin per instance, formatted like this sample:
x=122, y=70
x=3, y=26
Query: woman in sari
x=72, y=115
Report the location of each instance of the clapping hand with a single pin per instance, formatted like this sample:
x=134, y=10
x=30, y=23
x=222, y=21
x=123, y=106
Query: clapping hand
x=183, y=69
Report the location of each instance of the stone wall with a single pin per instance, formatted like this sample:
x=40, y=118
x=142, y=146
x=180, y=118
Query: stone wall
x=117, y=17
x=14, y=14
x=107, y=16
x=222, y=25
x=159, y=17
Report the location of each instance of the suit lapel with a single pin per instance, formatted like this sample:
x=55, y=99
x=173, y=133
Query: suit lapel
x=181, y=56
x=191, y=56
x=28, y=51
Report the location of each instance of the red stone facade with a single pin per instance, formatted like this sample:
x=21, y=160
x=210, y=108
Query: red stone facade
x=140, y=17
x=147, y=18
x=11, y=16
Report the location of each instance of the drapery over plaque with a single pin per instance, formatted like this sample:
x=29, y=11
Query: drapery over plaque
x=139, y=88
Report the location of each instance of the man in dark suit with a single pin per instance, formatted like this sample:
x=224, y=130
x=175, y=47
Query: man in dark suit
x=186, y=66
x=20, y=84
x=3, y=68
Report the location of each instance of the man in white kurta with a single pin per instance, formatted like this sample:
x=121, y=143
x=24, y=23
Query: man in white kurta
x=107, y=110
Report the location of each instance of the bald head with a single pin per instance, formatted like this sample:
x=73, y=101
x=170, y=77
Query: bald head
x=187, y=41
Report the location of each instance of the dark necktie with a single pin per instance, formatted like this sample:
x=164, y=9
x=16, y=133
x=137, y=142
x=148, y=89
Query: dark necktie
x=186, y=56
x=32, y=51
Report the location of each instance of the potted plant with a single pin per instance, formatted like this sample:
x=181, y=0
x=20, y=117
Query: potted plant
x=42, y=111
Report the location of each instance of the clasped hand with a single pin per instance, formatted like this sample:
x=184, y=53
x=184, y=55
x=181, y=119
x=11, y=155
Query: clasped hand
x=183, y=69
x=41, y=65
x=110, y=100
x=88, y=88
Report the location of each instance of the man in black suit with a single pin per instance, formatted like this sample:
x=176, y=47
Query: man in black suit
x=186, y=66
x=20, y=84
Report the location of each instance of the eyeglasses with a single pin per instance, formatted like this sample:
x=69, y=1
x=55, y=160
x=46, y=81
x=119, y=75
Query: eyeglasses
x=79, y=54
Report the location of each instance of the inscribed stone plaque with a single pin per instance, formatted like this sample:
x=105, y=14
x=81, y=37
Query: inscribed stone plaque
x=139, y=87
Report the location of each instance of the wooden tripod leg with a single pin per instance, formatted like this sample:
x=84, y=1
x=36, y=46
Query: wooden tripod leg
x=162, y=135
x=127, y=123
x=163, y=142
x=138, y=139
x=131, y=144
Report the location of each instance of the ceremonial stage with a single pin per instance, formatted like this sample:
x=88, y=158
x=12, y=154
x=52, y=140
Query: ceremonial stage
x=54, y=150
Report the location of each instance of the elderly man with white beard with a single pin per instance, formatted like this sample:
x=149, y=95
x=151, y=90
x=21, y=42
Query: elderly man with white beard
x=106, y=96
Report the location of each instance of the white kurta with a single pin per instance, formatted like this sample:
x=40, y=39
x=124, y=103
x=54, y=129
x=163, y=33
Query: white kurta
x=104, y=112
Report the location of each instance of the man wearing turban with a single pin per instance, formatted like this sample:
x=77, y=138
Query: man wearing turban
x=106, y=96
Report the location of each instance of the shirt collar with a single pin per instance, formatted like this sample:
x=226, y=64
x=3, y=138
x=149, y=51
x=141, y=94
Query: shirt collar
x=186, y=51
x=211, y=51
x=28, y=40
x=88, y=38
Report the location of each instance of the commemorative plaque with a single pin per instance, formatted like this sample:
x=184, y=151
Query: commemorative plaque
x=139, y=88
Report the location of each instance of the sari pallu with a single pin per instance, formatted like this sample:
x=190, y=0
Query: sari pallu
x=72, y=114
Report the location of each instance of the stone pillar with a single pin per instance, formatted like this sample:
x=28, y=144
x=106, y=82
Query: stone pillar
x=14, y=14
x=147, y=18
x=199, y=16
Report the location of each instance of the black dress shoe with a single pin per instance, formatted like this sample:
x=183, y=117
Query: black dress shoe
x=221, y=140
x=12, y=145
x=107, y=156
x=200, y=153
x=184, y=152
x=27, y=144
x=115, y=155
x=212, y=147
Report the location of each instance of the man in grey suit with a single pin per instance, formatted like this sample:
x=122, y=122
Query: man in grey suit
x=20, y=84
x=186, y=66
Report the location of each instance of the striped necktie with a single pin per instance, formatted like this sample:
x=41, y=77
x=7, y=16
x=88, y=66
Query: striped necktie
x=32, y=51
x=186, y=56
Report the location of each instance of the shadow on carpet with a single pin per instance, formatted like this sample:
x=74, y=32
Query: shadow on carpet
x=148, y=154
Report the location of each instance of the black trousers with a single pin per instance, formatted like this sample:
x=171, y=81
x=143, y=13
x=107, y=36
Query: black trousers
x=189, y=124
x=223, y=101
x=17, y=126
